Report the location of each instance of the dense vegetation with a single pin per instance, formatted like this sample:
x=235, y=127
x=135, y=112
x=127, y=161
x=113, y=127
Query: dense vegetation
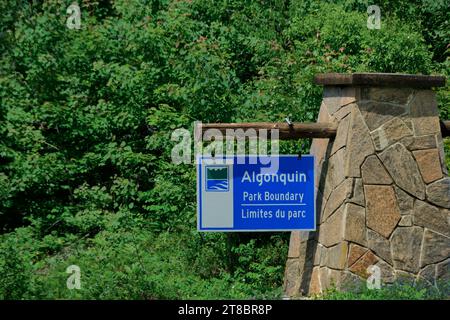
x=401, y=290
x=86, y=116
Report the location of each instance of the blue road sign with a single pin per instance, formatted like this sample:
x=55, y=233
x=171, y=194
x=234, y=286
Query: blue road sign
x=236, y=195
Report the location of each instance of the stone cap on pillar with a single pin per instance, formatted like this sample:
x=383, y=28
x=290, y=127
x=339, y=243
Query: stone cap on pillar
x=379, y=79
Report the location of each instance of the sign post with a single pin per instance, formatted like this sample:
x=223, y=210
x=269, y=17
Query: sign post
x=237, y=195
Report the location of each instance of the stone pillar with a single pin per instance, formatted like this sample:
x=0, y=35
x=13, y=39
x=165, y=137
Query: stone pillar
x=383, y=191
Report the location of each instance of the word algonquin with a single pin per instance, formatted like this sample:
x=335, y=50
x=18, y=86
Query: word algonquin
x=283, y=178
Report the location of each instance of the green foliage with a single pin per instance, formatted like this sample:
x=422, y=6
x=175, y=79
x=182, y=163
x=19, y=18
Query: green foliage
x=332, y=39
x=86, y=118
x=396, y=291
x=15, y=278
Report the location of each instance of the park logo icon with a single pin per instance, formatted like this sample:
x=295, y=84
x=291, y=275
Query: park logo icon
x=217, y=179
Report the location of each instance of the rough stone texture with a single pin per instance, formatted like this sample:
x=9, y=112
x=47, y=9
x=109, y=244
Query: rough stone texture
x=331, y=231
x=320, y=251
x=320, y=204
x=426, y=125
x=357, y=196
x=324, y=277
x=431, y=217
x=329, y=278
x=423, y=104
x=355, y=223
x=360, y=266
x=341, y=136
x=350, y=282
x=440, y=145
x=336, y=97
x=343, y=111
x=429, y=164
x=304, y=263
x=405, y=248
x=383, y=94
x=327, y=183
x=355, y=252
x=359, y=144
x=324, y=115
x=402, y=277
x=382, y=195
x=378, y=113
x=323, y=256
x=403, y=169
x=389, y=133
x=387, y=272
x=379, y=245
x=337, y=256
x=419, y=143
x=335, y=172
x=404, y=200
x=408, y=122
x=443, y=271
x=439, y=192
x=406, y=221
x=292, y=278
x=436, y=247
x=373, y=172
x=342, y=192
x=428, y=273
x=382, y=210
x=319, y=147
x=334, y=279
x=294, y=245
x=315, y=287
x=298, y=270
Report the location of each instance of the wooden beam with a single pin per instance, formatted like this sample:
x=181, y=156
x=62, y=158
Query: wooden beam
x=445, y=128
x=286, y=132
x=296, y=131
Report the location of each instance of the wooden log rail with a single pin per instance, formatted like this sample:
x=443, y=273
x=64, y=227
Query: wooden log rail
x=285, y=131
x=294, y=131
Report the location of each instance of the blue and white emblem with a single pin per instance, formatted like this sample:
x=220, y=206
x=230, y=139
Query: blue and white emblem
x=217, y=178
